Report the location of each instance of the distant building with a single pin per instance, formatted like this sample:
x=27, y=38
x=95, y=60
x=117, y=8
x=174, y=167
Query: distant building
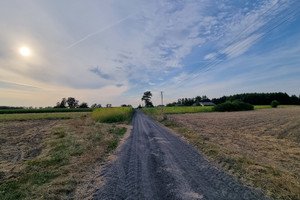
x=160, y=106
x=207, y=104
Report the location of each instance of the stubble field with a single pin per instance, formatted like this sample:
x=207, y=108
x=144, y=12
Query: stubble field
x=260, y=148
x=54, y=159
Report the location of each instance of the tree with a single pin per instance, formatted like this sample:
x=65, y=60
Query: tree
x=72, y=102
x=83, y=105
x=147, y=98
x=96, y=105
x=61, y=104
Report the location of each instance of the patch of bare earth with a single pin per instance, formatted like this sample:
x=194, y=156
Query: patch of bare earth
x=266, y=142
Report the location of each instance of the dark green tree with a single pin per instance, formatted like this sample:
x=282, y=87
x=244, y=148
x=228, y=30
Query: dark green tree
x=147, y=98
x=96, y=105
x=61, y=104
x=72, y=102
x=83, y=105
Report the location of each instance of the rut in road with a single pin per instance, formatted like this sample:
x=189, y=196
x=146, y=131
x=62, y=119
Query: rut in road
x=155, y=164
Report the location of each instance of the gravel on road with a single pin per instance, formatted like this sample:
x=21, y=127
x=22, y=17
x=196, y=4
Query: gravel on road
x=154, y=163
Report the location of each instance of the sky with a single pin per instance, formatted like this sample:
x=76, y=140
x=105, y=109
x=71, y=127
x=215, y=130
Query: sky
x=112, y=51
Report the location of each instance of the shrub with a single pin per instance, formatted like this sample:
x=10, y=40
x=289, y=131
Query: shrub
x=233, y=106
x=274, y=103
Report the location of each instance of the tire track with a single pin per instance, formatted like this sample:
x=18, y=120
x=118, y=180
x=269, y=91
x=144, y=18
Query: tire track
x=155, y=164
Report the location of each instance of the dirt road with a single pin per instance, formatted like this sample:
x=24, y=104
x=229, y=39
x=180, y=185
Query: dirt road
x=155, y=164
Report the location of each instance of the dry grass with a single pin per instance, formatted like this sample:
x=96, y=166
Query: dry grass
x=260, y=148
x=54, y=159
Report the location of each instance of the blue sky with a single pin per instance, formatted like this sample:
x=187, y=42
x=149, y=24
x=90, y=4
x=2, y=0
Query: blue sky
x=113, y=51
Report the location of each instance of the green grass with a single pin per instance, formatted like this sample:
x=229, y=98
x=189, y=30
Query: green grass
x=177, y=110
x=269, y=106
x=111, y=115
x=45, y=110
x=38, y=116
x=118, y=131
x=113, y=144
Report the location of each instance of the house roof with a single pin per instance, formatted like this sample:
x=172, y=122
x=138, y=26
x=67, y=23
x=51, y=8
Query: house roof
x=207, y=104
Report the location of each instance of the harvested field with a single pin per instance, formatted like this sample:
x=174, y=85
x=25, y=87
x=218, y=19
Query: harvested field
x=54, y=159
x=261, y=140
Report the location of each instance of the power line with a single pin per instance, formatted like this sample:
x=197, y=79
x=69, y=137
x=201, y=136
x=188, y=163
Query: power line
x=268, y=28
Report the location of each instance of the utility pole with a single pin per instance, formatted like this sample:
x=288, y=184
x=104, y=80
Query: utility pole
x=162, y=98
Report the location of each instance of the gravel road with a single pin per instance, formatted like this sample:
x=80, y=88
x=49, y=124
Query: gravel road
x=155, y=164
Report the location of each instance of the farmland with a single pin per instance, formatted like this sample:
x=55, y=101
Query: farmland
x=176, y=110
x=260, y=148
x=194, y=109
x=45, y=110
x=40, y=116
x=54, y=155
x=118, y=114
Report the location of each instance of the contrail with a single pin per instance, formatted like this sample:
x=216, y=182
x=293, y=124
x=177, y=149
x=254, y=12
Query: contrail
x=99, y=31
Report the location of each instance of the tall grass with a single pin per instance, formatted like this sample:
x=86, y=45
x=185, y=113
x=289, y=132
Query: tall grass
x=177, y=110
x=111, y=115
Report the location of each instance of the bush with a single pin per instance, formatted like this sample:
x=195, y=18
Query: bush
x=233, y=106
x=274, y=103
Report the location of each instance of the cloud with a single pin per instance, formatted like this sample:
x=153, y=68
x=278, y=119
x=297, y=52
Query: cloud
x=97, y=71
x=11, y=85
x=210, y=56
x=137, y=43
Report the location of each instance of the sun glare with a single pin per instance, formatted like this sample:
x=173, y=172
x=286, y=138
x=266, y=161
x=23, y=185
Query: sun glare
x=24, y=51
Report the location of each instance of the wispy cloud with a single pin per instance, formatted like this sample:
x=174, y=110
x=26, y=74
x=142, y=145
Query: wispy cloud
x=138, y=44
x=99, y=31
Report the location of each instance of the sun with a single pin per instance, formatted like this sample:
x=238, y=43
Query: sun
x=25, y=51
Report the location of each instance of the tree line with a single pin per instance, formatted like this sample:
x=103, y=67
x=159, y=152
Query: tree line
x=251, y=98
x=260, y=98
x=71, y=102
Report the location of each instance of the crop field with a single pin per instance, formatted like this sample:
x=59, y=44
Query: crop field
x=109, y=115
x=45, y=110
x=260, y=148
x=194, y=109
x=54, y=159
x=40, y=116
x=177, y=110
